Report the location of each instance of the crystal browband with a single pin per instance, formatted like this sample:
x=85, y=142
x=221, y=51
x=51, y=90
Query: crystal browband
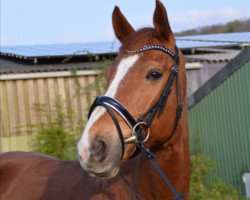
x=153, y=47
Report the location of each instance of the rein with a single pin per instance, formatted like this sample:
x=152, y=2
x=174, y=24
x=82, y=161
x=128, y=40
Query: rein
x=145, y=120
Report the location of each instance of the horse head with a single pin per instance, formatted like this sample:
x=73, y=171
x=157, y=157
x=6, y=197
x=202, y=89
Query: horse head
x=136, y=79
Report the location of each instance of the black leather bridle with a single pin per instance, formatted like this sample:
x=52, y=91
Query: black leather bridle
x=145, y=120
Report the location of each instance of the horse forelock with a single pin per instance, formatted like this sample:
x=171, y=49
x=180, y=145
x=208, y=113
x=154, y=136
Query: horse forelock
x=145, y=36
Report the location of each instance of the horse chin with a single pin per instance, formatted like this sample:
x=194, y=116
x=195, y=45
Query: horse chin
x=108, y=169
x=104, y=175
x=107, y=175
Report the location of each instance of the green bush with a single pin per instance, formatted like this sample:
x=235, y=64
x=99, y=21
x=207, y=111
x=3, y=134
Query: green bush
x=55, y=141
x=205, y=183
x=56, y=136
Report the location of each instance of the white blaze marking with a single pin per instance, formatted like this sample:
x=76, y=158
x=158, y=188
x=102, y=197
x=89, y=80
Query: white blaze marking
x=122, y=70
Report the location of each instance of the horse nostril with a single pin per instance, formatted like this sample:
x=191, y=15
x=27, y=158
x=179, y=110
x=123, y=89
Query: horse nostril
x=99, y=150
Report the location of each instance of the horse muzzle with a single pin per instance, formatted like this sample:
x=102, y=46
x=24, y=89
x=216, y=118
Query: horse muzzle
x=100, y=157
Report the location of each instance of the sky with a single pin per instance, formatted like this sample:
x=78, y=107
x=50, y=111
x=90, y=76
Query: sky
x=28, y=22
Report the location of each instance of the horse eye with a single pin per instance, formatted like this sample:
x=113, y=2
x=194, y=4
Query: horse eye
x=154, y=75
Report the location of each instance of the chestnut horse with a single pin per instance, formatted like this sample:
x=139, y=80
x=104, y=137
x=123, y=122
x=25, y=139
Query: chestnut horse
x=147, y=79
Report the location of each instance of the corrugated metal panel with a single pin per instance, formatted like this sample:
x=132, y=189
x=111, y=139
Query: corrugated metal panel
x=221, y=122
x=18, y=96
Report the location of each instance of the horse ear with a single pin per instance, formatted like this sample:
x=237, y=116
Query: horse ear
x=161, y=22
x=120, y=24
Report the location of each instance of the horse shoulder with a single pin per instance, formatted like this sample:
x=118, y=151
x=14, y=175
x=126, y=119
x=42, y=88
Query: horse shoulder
x=30, y=176
x=21, y=171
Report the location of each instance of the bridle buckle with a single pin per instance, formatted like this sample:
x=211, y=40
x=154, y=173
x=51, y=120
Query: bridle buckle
x=134, y=137
x=131, y=140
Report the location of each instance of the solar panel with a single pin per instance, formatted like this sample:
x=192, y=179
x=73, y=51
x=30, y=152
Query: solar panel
x=223, y=37
x=61, y=49
x=187, y=44
x=213, y=40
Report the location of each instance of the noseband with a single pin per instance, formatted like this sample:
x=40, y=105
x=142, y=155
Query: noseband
x=144, y=121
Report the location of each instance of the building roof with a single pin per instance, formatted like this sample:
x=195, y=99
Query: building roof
x=242, y=37
x=10, y=67
x=219, y=77
x=212, y=55
x=59, y=57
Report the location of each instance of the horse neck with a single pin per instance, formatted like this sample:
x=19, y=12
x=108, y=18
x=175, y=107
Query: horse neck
x=173, y=159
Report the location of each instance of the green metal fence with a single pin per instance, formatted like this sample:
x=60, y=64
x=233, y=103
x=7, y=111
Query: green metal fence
x=219, y=124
